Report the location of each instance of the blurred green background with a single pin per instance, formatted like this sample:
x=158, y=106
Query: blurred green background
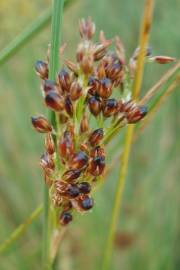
x=148, y=234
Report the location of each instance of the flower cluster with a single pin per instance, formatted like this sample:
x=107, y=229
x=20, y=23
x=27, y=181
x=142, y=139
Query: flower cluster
x=96, y=86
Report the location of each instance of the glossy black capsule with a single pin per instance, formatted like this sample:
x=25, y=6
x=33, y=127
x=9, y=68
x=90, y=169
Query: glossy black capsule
x=72, y=191
x=84, y=187
x=86, y=203
x=65, y=218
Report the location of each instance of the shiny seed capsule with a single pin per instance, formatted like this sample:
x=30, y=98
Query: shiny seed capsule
x=71, y=175
x=41, y=69
x=41, y=124
x=110, y=107
x=72, y=191
x=86, y=202
x=49, y=144
x=54, y=101
x=66, y=145
x=79, y=160
x=49, y=85
x=84, y=187
x=68, y=106
x=94, y=104
x=65, y=218
x=93, y=85
x=96, y=136
x=64, y=80
x=105, y=88
x=97, y=165
x=137, y=114
x=75, y=91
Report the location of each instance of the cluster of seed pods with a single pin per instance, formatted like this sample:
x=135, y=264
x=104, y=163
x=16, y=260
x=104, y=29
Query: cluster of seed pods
x=74, y=157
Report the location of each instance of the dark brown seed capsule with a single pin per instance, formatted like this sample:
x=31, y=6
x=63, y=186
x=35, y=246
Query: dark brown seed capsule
x=114, y=71
x=49, y=85
x=68, y=106
x=79, y=160
x=84, y=187
x=65, y=218
x=84, y=126
x=105, y=88
x=54, y=101
x=110, y=107
x=49, y=144
x=64, y=80
x=41, y=124
x=72, y=191
x=71, y=175
x=96, y=136
x=93, y=85
x=137, y=114
x=86, y=202
x=75, y=91
x=41, y=69
x=94, y=104
x=97, y=165
x=66, y=145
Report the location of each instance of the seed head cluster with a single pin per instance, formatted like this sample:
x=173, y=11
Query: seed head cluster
x=94, y=89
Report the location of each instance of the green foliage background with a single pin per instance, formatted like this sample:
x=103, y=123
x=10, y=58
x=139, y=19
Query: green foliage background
x=151, y=199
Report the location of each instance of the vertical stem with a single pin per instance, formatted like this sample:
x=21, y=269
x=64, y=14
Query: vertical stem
x=144, y=35
x=143, y=41
x=53, y=68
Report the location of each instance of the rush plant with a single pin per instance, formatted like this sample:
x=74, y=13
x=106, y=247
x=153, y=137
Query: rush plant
x=89, y=101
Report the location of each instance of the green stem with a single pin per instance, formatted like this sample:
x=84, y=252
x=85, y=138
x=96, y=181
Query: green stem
x=20, y=229
x=57, y=13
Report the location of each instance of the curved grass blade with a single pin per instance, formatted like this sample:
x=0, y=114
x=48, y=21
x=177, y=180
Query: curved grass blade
x=20, y=230
x=27, y=34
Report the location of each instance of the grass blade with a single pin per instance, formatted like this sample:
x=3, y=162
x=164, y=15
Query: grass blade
x=20, y=230
x=171, y=72
x=25, y=36
x=144, y=35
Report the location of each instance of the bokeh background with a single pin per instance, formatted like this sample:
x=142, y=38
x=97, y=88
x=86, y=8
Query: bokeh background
x=148, y=235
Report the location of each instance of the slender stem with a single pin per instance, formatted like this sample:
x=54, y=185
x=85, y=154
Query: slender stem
x=144, y=35
x=20, y=229
x=57, y=13
x=143, y=41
